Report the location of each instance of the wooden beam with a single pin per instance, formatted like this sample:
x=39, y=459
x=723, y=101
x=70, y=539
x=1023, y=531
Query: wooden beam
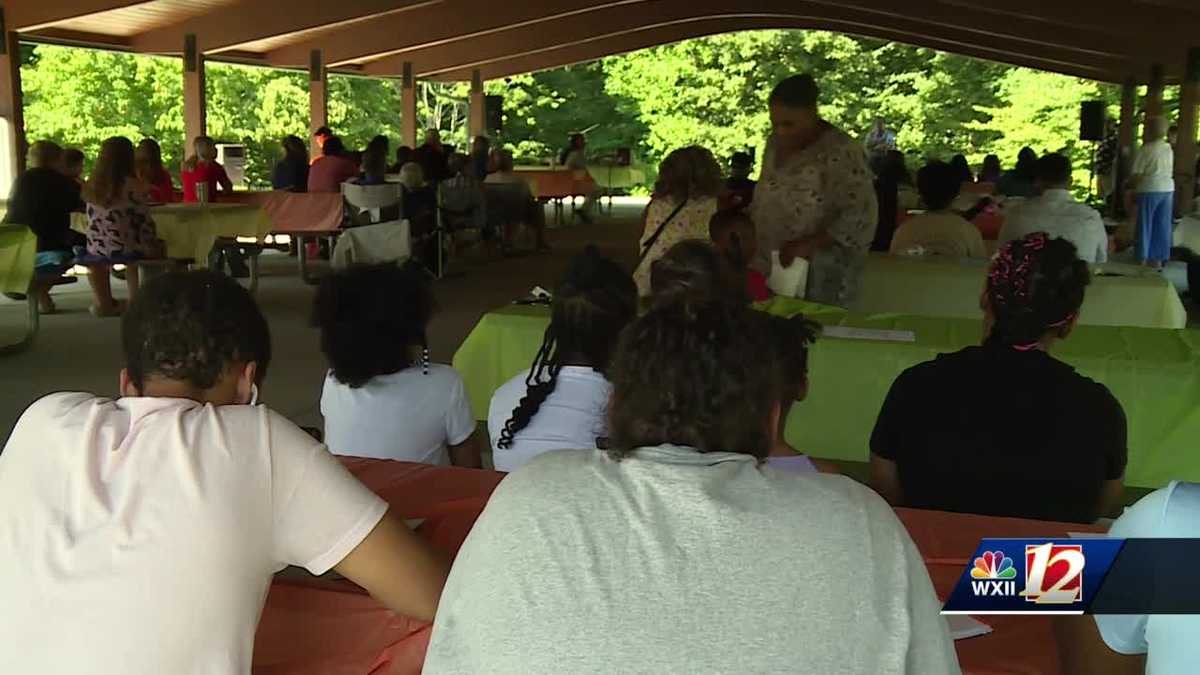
x=1152, y=105
x=649, y=36
x=476, y=122
x=1126, y=133
x=29, y=15
x=408, y=106
x=318, y=98
x=251, y=20
x=195, y=98
x=583, y=27
x=1185, y=145
x=12, y=116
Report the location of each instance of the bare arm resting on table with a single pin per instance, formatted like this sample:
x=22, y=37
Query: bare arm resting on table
x=398, y=569
x=885, y=479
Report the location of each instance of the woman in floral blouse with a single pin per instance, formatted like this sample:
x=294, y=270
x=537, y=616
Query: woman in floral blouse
x=689, y=180
x=120, y=229
x=815, y=198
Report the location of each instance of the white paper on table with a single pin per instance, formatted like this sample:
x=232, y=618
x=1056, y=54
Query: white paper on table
x=791, y=281
x=962, y=626
x=848, y=333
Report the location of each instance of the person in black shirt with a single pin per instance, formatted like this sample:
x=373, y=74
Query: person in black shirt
x=1004, y=428
x=432, y=156
x=291, y=172
x=42, y=199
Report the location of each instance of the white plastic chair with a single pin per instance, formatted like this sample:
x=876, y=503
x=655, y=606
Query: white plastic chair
x=378, y=242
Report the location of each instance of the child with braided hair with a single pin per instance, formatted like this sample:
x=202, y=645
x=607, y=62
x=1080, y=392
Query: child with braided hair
x=969, y=431
x=562, y=401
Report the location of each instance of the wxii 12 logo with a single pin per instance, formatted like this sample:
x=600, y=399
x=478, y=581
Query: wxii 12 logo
x=1053, y=574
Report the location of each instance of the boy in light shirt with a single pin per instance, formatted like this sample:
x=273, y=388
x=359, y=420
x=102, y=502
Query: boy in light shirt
x=140, y=535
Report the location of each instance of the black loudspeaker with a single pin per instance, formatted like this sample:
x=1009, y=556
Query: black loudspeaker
x=493, y=113
x=1091, y=121
x=624, y=157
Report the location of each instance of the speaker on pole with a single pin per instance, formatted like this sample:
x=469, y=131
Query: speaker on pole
x=1091, y=121
x=493, y=113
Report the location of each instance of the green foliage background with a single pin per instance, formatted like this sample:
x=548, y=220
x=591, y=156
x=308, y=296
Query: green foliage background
x=711, y=91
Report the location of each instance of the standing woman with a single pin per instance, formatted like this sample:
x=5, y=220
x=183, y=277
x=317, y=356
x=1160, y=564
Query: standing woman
x=120, y=229
x=815, y=198
x=147, y=159
x=685, y=199
x=1154, y=184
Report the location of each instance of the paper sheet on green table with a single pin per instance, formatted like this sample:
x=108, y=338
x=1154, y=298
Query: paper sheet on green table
x=1154, y=373
x=18, y=250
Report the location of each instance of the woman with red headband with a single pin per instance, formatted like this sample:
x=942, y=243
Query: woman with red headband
x=1004, y=428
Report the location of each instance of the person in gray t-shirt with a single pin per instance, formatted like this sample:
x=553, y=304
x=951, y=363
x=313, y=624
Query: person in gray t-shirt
x=678, y=550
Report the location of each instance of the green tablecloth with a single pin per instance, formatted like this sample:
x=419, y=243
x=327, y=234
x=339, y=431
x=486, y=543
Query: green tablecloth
x=925, y=287
x=18, y=249
x=1152, y=372
x=616, y=177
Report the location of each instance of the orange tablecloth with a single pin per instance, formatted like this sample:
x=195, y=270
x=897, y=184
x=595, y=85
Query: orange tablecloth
x=334, y=628
x=295, y=212
x=311, y=627
x=557, y=183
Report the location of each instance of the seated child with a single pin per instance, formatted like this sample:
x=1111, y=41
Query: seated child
x=140, y=534
x=733, y=233
x=382, y=397
x=562, y=401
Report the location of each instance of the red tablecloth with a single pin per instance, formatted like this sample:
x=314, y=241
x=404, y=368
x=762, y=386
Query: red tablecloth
x=295, y=212
x=334, y=628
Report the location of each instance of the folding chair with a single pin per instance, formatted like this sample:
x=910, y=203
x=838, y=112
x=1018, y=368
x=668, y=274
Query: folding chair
x=461, y=208
x=373, y=239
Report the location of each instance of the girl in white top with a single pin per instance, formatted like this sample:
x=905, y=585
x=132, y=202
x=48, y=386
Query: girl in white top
x=562, y=401
x=382, y=398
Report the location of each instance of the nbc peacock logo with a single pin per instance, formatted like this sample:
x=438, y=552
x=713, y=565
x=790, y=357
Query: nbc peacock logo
x=993, y=574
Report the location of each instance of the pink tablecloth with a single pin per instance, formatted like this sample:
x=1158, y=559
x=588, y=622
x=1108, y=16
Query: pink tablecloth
x=334, y=628
x=295, y=212
x=557, y=183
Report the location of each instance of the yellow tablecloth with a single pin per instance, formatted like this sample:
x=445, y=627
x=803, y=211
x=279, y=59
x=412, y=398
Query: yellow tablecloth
x=189, y=230
x=931, y=287
x=18, y=249
x=617, y=177
x=1154, y=373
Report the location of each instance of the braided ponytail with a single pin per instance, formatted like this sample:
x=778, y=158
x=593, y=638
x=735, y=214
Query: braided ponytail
x=1034, y=284
x=592, y=304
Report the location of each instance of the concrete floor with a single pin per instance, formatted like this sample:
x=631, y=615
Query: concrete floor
x=76, y=352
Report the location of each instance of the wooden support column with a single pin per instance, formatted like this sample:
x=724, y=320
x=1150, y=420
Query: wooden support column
x=1185, y=146
x=318, y=98
x=1153, y=105
x=12, y=142
x=408, y=107
x=195, y=105
x=1126, y=133
x=477, y=123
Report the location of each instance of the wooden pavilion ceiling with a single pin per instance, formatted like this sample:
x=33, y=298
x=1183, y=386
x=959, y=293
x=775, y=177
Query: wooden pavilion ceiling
x=446, y=39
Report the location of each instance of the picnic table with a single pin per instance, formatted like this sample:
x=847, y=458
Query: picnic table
x=1154, y=373
x=312, y=626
